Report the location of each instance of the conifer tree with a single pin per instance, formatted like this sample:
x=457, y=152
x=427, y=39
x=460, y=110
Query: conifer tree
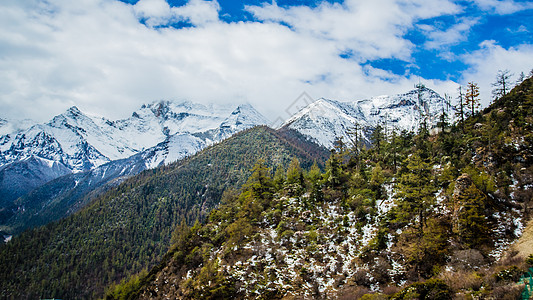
x=376, y=180
x=472, y=97
x=260, y=184
x=472, y=224
x=180, y=235
x=415, y=192
x=314, y=177
x=294, y=172
x=378, y=137
x=279, y=177
x=355, y=136
x=334, y=171
x=443, y=119
x=521, y=78
x=460, y=109
x=502, y=84
x=295, y=178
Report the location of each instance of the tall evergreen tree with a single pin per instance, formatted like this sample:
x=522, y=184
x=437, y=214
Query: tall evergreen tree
x=521, y=78
x=460, y=109
x=472, y=97
x=472, y=224
x=416, y=192
x=378, y=138
x=355, y=136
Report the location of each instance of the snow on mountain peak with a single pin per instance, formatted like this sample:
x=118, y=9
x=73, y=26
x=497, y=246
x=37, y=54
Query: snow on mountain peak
x=81, y=141
x=325, y=120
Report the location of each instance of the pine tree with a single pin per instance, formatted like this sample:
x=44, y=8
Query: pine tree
x=472, y=224
x=376, y=180
x=472, y=97
x=333, y=176
x=314, y=177
x=460, y=109
x=378, y=138
x=502, y=84
x=294, y=172
x=279, y=177
x=180, y=235
x=260, y=184
x=416, y=192
x=355, y=136
x=443, y=119
x=521, y=78
x=295, y=178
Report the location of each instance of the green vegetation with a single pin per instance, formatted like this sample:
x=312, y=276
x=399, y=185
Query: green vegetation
x=429, y=213
x=129, y=228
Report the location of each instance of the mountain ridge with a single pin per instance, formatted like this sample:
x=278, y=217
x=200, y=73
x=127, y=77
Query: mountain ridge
x=165, y=131
x=326, y=120
x=78, y=256
x=436, y=225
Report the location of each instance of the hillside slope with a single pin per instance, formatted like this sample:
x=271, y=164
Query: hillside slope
x=420, y=217
x=128, y=228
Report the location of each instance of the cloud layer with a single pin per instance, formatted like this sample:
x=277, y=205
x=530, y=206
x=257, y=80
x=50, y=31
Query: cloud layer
x=109, y=57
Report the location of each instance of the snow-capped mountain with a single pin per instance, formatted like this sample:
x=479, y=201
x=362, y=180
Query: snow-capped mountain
x=325, y=120
x=165, y=131
x=82, y=142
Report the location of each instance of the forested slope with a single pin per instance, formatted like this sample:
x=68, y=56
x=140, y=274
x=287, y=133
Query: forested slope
x=129, y=227
x=416, y=217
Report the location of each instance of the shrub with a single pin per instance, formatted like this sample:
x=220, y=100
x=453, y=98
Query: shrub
x=529, y=260
x=510, y=274
x=435, y=289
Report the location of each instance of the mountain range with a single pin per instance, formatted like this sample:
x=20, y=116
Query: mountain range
x=437, y=207
x=447, y=222
x=50, y=170
x=323, y=121
x=74, y=142
x=127, y=226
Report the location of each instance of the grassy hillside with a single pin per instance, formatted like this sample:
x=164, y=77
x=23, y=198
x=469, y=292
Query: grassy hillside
x=419, y=217
x=128, y=229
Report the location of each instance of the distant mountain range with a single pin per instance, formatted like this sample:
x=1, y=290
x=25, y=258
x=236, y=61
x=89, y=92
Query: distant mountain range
x=48, y=171
x=323, y=121
x=75, y=142
x=52, y=166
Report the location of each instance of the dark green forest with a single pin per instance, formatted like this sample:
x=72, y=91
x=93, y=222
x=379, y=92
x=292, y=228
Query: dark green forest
x=418, y=216
x=129, y=228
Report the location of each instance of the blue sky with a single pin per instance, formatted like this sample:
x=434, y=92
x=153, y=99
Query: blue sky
x=108, y=57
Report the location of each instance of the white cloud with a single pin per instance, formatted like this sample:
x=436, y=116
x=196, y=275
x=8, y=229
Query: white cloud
x=492, y=57
x=439, y=39
x=158, y=12
x=198, y=12
x=95, y=54
x=503, y=7
x=373, y=29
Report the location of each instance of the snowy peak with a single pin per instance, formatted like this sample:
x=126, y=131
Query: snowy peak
x=244, y=116
x=325, y=120
x=82, y=142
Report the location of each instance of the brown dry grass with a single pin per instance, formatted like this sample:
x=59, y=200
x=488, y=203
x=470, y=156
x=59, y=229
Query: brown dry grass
x=524, y=245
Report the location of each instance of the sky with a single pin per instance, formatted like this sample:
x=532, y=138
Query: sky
x=108, y=57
